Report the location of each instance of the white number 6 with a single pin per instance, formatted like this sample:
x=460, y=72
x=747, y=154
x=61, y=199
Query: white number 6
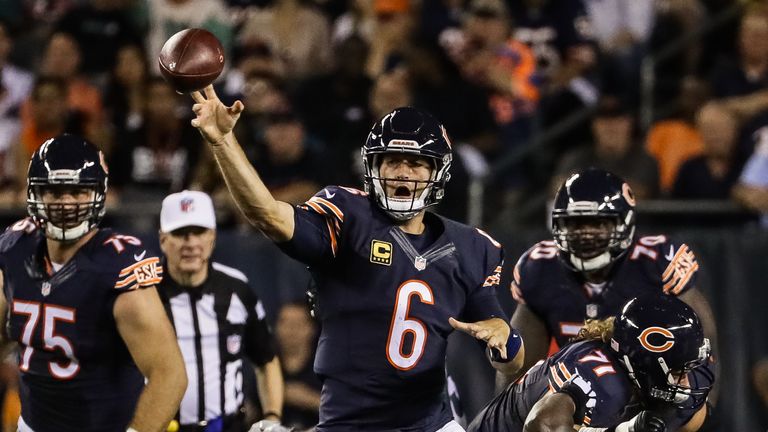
x=402, y=324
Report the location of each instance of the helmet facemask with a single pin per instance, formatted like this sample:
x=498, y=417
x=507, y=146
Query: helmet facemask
x=592, y=239
x=402, y=199
x=65, y=221
x=681, y=388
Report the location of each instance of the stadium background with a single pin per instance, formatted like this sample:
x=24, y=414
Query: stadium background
x=670, y=94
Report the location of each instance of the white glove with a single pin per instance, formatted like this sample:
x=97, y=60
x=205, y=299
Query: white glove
x=269, y=426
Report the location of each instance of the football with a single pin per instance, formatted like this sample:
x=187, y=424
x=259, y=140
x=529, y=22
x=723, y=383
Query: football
x=191, y=59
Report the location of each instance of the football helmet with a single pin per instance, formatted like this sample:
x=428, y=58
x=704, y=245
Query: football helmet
x=593, y=219
x=659, y=340
x=412, y=131
x=67, y=161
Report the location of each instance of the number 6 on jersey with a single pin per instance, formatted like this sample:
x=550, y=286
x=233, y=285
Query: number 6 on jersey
x=402, y=324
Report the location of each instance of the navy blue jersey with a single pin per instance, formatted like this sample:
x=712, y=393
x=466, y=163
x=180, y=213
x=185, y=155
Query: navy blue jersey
x=563, y=299
x=76, y=372
x=384, y=301
x=593, y=361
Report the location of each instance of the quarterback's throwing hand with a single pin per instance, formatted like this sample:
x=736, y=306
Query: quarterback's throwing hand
x=494, y=332
x=212, y=118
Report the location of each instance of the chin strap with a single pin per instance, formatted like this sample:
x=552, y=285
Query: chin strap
x=69, y=234
x=591, y=264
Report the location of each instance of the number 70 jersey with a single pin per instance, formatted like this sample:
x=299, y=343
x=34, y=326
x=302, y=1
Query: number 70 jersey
x=384, y=301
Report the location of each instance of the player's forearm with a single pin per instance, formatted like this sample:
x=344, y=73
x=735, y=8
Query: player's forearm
x=270, y=385
x=160, y=399
x=511, y=368
x=274, y=218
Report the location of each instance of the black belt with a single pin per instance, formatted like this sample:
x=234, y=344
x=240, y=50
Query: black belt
x=232, y=423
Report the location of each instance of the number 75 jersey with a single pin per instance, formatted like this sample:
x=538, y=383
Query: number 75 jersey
x=384, y=303
x=76, y=372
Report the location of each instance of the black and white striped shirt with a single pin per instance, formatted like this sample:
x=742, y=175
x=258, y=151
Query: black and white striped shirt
x=218, y=325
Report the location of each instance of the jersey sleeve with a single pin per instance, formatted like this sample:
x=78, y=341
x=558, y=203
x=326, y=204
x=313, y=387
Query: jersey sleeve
x=319, y=224
x=527, y=269
x=675, y=262
x=482, y=301
x=12, y=235
x=260, y=346
x=130, y=264
x=607, y=391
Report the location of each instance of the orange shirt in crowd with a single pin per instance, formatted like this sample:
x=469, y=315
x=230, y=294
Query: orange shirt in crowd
x=672, y=142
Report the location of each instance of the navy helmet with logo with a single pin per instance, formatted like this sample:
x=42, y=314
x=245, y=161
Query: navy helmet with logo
x=599, y=197
x=407, y=130
x=659, y=340
x=67, y=161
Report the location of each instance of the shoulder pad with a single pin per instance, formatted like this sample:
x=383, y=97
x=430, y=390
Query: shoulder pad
x=334, y=201
x=16, y=232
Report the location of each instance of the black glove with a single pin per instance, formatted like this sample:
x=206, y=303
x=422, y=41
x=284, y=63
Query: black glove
x=646, y=421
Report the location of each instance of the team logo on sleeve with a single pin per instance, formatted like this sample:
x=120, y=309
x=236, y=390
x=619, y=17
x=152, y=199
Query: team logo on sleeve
x=381, y=252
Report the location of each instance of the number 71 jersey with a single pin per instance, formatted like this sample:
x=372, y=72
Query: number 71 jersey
x=76, y=372
x=384, y=301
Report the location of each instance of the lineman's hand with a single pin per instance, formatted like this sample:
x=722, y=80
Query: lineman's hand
x=494, y=332
x=214, y=119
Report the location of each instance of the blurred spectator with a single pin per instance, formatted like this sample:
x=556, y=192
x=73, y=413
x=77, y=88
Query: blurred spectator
x=712, y=174
x=358, y=21
x=673, y=141
x=167, y=17
x=296, y=334
x=293, y=166
x=621, y=28
x=297, y=33
x=49, y=115
x=393, y=34
x=335, y=107
x=675, y=19
x=752, y=188
x=61, y=60
x=100, y=27
x=489, y=57
x=254, y=58
x=748, y=72
x=15, y=85
x=127, y=88
x=560, y=35
x=157, y=153
x=614, y=149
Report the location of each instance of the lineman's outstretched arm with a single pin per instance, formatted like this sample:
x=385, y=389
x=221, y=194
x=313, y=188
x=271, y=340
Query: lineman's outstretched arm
x=5, y=344
x=215, y=122
x=536, y=338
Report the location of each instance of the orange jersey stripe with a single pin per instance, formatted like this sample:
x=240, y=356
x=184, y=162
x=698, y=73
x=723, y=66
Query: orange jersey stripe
x=132, y=267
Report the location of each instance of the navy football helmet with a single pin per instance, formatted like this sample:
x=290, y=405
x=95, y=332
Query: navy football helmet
x=412, y=131
x=593, y=219
x=67, y=161
x=660, y=342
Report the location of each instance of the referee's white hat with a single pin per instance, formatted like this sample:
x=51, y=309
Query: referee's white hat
x=187, y=208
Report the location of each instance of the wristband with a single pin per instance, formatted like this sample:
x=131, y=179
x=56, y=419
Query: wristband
x=130, y=429
x=514, y=342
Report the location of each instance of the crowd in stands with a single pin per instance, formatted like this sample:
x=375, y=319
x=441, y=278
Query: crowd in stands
x=314, y=75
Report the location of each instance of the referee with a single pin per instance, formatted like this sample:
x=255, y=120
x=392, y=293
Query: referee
x=219, y=322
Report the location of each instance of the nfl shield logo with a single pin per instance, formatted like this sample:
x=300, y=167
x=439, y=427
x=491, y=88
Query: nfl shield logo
x=420, y=263
x=592, y=310
x=233, y=344
x=187, y=205
x=46, y=289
